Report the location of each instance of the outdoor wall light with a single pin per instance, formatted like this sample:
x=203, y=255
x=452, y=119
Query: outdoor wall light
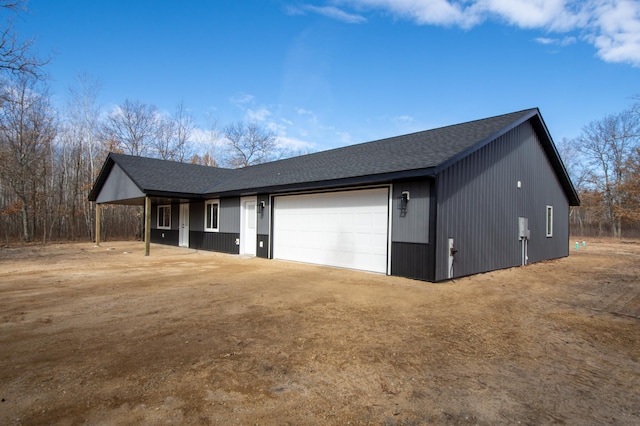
x=404, y=200
x=261, y=205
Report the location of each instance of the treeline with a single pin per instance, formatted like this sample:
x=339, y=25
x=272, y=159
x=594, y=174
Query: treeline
x=50, y=155
x=604, y=164
x=48, y=162
x=50, y=158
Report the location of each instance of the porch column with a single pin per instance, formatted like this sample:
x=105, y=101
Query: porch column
x=147, y=225
x=98, y=208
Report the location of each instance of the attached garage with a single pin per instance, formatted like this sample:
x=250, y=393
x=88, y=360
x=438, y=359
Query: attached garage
x=348, y=229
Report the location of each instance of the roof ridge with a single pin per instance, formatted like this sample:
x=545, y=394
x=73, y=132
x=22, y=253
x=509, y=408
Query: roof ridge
x=383, y=140
x=145, y=158
x=449, y=126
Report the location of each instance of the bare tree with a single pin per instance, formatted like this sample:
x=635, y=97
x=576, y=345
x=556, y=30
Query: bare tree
x=17, y=56
x=184, y=127
x=27, y=129
x=173, y=133
x=249, y=144
x=630, y=208
x=207, y=154
x=165, y=138
x=78, y=154
x=607, y=145
x=574, y=164
x=132, y=127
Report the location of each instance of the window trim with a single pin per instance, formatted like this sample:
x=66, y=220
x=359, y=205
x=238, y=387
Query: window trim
x=206, y=211
x=161, y=208
x=549, y=221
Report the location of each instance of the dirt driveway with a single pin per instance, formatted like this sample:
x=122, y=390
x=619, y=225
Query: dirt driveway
x=103, y=335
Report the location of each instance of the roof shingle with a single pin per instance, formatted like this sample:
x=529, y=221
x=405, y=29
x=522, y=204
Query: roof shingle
x=422, y=152
x=416, y=151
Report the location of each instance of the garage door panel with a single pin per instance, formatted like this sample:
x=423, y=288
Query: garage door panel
x=344, y=229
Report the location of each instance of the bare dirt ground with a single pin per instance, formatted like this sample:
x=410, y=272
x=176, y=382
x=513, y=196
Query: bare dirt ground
x=104, y=335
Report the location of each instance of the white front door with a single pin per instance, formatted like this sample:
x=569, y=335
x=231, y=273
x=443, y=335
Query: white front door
x=183, y=233
x=248, y=225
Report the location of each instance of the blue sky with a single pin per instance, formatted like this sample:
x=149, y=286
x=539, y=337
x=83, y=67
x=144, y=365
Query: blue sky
x=323, y=73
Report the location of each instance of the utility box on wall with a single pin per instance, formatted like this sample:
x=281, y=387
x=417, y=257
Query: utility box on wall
x=523, y=228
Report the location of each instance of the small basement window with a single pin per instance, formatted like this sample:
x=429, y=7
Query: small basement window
x=549, y=221
x=211, y=210
x=164, y=217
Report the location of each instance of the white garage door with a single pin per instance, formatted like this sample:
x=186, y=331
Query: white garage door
x=346, y=229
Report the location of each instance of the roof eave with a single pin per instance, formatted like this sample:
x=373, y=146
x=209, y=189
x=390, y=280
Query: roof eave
x=556, y=161
x=101, y=179
x=173, y=195
x=383, y=178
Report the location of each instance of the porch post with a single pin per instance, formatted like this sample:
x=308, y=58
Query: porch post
x=98, y=208
x=147, y=225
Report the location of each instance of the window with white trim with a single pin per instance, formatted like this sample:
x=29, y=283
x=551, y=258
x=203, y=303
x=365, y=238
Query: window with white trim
x=549, y=221
x=211, y=215
x=164, y=217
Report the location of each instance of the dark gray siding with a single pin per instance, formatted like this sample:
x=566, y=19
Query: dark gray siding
x=411, y=260
x=230, y=215
x=175, y=216
x=196, y=216
x=264, y=227
x=411, y=225
x=411, y=251
x=154, y=216
x=263, y=219
x=479, y=204
x=164, y=236
x=224, y=242
x=229, y=220
x=264, y=250
x=228, y=226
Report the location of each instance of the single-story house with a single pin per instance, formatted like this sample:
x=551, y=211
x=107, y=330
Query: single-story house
x=432, y=205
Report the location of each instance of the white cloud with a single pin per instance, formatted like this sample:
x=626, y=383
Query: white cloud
x=335, y=13
x=293, y=144
x=344, y=137
x=241, y=99
x=618, y=31
x=309, y=114
x=328, y=11
x=545, y=40
x=267, y=116
x=207, y=141
x=565, y=41
x=260, y=114
x=611, y=26
x=435, y=12
x=404, y=119
x=203, y=136
x=275, y=127
x=555, y=15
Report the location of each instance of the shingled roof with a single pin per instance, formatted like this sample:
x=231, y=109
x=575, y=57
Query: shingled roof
x=161, y=177
x=416, y=154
